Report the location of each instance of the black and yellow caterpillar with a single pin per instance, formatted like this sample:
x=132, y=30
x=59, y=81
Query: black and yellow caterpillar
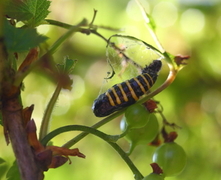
x=128, y=92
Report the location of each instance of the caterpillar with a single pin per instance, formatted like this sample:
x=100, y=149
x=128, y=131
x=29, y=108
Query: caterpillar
x=128, y=92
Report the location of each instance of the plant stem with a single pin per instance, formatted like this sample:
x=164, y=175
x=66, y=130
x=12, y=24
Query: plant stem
x=63, y=38
x=108, y=138
x=13, y=125
x=47, y=116
x=28, y=168
x=95, y=126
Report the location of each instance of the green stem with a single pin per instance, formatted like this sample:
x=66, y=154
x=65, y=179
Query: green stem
x=63, y=38
x=68, y=128
x=124, y=133
x=93, y=19
x=47, y=116
x=95, y=126
x=134, y=38
x=84, y=25
x=124, y=156
x=131, y=149
x=61, y=24
x=108, y=138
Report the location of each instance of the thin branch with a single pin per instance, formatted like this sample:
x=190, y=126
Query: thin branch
x=94, y=16
x=46, y=119
x=108, y=138
x=95, y=126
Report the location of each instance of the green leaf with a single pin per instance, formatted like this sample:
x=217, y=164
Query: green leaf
x=3, y=167
x=18, y=10
x=29, y=11
x=21, y=39
x=40, y=11
x=13, y=172
x=2, y=161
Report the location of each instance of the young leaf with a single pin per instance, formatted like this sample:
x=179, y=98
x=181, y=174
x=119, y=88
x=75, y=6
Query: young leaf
x=29, y=11
x=67, y=66
x=21, y=40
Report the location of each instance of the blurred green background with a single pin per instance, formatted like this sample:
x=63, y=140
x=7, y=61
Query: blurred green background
x=193, y=101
